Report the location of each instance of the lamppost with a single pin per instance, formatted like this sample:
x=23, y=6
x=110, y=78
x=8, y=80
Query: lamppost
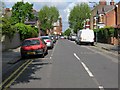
x=96, y=26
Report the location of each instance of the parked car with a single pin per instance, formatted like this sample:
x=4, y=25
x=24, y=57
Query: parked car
x=33, y=46
x=85, y=36
x=53, y=37
x=73, y=37
x=48, y=40
x=61, y=37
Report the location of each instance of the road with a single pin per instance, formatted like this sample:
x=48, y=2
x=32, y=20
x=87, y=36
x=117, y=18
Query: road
x=69, y=65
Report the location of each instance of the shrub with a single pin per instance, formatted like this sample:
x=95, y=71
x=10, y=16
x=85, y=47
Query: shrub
x=26, y=31
x=7, y=29
x=103, y=34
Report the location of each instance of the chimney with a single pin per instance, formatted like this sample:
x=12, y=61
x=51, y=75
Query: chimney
x=112, y=2
x=102, y=2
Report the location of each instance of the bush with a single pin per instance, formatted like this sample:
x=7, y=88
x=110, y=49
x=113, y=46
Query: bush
x=7, y=28
x=26, y=31
x=104, y=34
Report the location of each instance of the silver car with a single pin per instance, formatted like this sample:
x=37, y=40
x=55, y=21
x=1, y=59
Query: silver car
x=48, y=40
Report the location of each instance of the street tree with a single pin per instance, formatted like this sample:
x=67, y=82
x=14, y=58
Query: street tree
x=47, y=16
x=78, y=14
x=67, y=32
x=21, y=11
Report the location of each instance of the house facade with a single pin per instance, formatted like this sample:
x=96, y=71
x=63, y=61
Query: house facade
x=103, y=15
x=57, y=30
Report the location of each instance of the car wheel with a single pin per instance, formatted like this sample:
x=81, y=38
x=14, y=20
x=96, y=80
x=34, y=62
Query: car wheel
x=92, y=43
x=46, y=52
x=43, y=55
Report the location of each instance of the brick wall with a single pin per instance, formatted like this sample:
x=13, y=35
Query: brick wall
x=110, y=18
x=118, y=21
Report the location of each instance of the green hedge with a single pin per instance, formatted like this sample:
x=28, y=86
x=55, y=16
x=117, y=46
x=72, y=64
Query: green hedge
x=7, y=28
x=26, y=31
x=104, y=34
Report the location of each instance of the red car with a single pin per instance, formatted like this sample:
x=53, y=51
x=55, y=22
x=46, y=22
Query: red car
x=33, y=46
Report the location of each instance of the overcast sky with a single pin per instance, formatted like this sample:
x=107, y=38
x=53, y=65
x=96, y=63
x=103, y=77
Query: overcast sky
x=64, y=6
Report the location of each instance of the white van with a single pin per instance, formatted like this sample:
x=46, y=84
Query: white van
x=85, y=36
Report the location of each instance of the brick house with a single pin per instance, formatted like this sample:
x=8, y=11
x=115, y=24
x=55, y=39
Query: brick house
x=106, y=15
x=103, y=15
x=57, y=30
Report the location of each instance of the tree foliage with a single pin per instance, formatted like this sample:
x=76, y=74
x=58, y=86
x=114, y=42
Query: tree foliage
x=26, y=31
x=47, y=16
x=67, y=32
x=21, y=11
x=78, y=14
x=7, y=28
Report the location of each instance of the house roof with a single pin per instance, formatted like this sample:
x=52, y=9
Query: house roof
x=105, y=9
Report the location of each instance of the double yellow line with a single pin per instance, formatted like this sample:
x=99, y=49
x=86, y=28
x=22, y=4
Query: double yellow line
x=27, y=63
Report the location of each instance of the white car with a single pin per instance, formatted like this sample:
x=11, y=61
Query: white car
x=48, y=40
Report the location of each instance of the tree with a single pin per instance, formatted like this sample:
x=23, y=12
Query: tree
x=47, y=16
x=26, y=31
x=7, y=29
x=67, y=32
x=78, y=14
x=21, y=11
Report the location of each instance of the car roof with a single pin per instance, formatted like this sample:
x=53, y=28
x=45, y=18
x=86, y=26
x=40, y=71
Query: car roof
x=31, y=38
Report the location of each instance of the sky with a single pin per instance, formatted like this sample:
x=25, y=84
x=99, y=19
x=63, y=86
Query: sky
x=64, y=6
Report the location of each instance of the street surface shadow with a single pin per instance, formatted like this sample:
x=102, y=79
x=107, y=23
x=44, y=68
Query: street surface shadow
x=30, y=72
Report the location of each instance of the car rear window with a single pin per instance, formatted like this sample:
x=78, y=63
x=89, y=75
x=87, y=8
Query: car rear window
x=30, y=42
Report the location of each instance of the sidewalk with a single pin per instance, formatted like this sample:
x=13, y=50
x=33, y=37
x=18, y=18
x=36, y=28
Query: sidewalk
x=10, y=57
x=108, y=47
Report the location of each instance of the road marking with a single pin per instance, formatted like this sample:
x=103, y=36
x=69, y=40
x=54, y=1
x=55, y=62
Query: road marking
x=54, y=48
x=86, y=68
x=89, y=72
x=76, y=56
x=101, y=87
x=13, y=74
x=18, y=75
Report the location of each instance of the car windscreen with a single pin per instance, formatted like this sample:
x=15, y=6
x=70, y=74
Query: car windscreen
x=30, y=42
x=45, y=37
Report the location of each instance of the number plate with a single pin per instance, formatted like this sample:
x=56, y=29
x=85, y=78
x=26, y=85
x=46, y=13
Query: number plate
x=31, y=53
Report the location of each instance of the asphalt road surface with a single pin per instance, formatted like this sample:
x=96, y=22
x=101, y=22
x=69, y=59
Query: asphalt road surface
x=69, y=65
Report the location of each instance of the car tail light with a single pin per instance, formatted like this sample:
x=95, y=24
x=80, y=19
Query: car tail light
x=48, y=41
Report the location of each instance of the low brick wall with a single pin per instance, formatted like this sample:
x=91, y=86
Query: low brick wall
x=9, y=44
x=114, y=41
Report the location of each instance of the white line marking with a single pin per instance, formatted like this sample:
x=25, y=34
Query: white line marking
x=76, y=56
x=101, y=87
x=89, y=72
x=54, y=48
x=86, y=68
x=50, y=57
